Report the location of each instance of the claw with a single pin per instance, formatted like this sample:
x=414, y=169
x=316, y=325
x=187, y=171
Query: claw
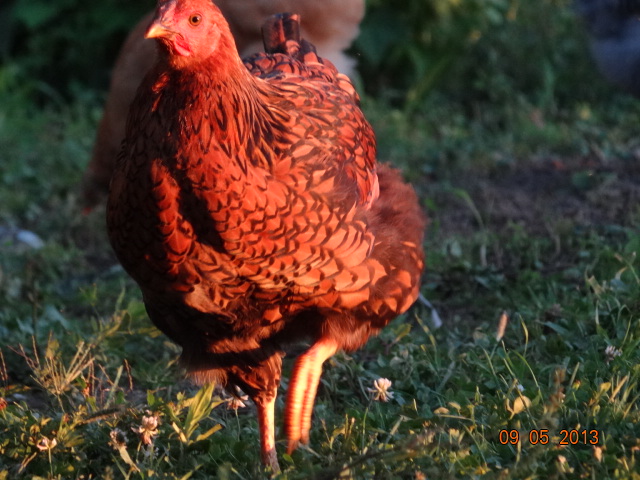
x=302, y=391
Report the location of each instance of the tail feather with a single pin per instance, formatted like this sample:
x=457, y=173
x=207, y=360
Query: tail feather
x=281, y=34
x=280, y=31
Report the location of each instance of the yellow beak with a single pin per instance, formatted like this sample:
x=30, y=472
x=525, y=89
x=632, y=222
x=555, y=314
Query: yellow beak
x=158, y=30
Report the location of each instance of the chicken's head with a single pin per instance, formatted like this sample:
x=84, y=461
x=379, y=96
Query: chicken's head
x=189, y=30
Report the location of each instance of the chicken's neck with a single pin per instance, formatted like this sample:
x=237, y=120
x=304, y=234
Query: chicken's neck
x=224, y=109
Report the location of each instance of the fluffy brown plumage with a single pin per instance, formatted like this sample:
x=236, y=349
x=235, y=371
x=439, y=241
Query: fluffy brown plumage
x=331, y=25
x=248, y=206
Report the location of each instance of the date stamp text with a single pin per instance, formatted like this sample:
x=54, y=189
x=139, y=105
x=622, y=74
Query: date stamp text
x=543, y=436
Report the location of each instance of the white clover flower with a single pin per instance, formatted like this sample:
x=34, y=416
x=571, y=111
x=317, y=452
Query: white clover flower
x=46, y=444
x=148, y=429
x=150, y=452
x=381, y=390
x=611, y=352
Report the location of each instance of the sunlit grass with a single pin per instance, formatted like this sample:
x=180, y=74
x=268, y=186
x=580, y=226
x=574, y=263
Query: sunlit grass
x=476, y=398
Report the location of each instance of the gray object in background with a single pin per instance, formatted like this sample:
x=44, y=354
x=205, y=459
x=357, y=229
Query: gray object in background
x=614, y=32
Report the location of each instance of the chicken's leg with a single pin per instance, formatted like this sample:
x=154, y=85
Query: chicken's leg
x=266, y=425
x=302, y=391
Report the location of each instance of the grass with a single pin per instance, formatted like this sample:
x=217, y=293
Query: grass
x=82, y=366
x=531, y=263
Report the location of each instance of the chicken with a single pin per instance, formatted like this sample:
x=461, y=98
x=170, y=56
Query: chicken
x=248, y=206
x=614, y=34
x=330, y=25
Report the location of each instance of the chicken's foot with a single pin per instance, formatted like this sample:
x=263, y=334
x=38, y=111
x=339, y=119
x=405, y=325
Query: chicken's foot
x=302, y=391
x=266, y=425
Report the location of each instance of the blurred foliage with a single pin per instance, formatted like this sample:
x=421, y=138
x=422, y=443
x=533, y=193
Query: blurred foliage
x=541, y=51
x=408, y=49
x=473, y=50
x=61, y=45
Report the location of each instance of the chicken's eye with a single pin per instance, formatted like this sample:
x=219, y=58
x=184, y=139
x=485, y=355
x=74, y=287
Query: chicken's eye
x=195, y=19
